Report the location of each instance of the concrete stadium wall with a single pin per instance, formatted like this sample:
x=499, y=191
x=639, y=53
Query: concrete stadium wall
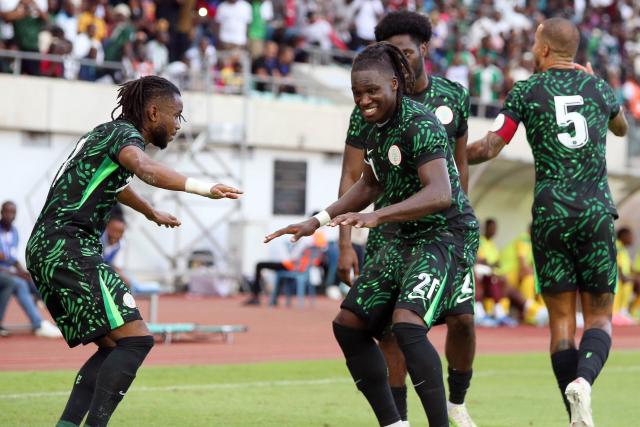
x=41, y=119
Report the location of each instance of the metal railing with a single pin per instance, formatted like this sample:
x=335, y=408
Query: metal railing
x=15, y=58
x=242, y=83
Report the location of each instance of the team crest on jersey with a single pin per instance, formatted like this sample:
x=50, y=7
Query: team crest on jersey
x=444, y=114
x=395, y=156
x=128, y=300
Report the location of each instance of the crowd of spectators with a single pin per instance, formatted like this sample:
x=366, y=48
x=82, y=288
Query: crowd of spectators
x=482, y=44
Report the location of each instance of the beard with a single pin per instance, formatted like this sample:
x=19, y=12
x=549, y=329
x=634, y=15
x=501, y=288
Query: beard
x=160, y=138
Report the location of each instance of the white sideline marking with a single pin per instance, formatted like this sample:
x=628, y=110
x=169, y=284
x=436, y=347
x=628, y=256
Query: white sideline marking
x=189, y=387
x=287, y=383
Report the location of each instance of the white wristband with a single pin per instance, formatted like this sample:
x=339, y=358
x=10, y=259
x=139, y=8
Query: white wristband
x=323, y=218
x=196, y=186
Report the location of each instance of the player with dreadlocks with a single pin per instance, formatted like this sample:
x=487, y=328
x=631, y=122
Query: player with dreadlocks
x=449, y=101
x=88, y=300
x=409, y=163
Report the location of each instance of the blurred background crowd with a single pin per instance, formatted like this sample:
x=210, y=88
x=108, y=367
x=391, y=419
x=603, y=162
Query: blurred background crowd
x=481, y=44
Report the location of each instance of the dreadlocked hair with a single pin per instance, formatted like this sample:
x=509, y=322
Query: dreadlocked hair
x=134, y=95
x=385, y=56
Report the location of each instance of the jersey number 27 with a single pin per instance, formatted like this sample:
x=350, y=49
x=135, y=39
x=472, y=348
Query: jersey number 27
x=565, y=118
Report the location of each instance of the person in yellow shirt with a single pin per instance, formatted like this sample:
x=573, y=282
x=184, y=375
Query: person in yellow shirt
x=622, y=299
x=88, y=17
x=493, y=294
x=516, y=264
x=635, y=272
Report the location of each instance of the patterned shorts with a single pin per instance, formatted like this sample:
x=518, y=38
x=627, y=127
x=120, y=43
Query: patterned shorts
x=575, y=253
x=462, y=298
x=413, y=274
x=86, y=298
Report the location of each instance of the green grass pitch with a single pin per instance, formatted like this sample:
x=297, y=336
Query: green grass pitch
x=507, y=390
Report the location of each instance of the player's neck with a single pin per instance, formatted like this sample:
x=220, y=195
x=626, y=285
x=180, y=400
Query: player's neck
x=558, y=64
x=5, y=226
x=146, y=135
x=422, y=83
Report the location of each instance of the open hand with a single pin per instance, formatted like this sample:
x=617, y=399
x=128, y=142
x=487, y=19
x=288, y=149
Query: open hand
x=304, y=228
x=347, y=261
x=221, y=191
x=163, y=218
x=585, y=68
x=357, y=220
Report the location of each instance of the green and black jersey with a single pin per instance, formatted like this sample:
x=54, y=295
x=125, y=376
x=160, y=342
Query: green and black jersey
x=566, y=114
x=395, y=151
x=448, y=100
x=82, y=195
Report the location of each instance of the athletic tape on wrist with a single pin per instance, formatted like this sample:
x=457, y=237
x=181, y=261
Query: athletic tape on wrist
x=196, y=186
x=323, y=218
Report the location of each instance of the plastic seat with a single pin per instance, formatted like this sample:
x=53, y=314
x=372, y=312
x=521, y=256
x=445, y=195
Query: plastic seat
x=300, y=279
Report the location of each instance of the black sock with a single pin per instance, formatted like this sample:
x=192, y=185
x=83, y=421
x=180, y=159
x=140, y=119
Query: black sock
x=458, y=385
x=425, y=369
x=594, y=351
x=400, y=399
x=115, y=377
x=565, y=366
x=369, y=371
x=85, y=383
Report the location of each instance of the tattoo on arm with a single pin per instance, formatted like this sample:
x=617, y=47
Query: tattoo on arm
x=149, y=178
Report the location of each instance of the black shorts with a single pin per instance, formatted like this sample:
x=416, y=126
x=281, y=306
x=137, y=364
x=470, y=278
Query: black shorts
x=575, y=254
x=463, y=296
x=86, y=298
x=415, y=274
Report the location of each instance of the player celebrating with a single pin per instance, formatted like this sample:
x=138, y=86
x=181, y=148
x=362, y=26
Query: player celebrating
x=410, y=32
x=408, y=162
x=87, y=299
x=566, y=113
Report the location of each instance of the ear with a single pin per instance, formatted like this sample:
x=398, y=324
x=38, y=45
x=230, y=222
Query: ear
x=394, y=83
x=546, y=50
x=424, y=48
x=152, y=113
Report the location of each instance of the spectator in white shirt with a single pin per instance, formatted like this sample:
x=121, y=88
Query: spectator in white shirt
x=67, y=19
x=366, y=14
x=233, y=18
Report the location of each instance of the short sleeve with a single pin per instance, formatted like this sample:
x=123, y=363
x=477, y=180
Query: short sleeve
x=610, y=99
x=514, y=106
x=128, y=136
x=463, y=120
x=358, y=130
x=427, y=139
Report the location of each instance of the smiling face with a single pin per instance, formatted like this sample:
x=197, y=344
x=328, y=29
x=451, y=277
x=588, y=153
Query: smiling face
x=375, y=93
x=165, y=114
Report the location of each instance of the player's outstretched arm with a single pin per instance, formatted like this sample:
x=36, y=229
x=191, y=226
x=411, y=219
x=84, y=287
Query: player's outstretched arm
x=461, y=161
x=362, y=194
x=618, y=125
x=352, y=165
x=130, y=198
x=434, y=196
x=159, y=175
x=485, y=149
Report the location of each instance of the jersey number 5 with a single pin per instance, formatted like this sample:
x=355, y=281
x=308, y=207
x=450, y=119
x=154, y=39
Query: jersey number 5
x=565, y=118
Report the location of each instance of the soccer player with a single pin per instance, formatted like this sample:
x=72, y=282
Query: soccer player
x=410, y=32
x=87, y=299
x=410, y=279
x=566, y=113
